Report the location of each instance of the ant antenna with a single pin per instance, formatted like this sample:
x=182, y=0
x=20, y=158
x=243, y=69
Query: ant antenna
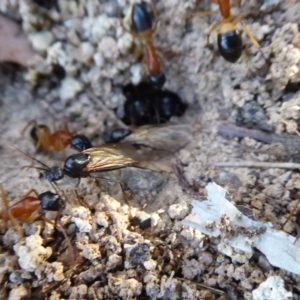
x=53, y=184
x=31, y=157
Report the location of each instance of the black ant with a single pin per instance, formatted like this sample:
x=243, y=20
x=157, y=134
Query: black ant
x=142, y=27
x=146, y=104
x=229, y=40
x=83, y=164
x=168, y=137
x=56, y=141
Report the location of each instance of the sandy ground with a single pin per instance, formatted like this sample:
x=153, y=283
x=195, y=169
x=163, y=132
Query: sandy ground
x=115, y=257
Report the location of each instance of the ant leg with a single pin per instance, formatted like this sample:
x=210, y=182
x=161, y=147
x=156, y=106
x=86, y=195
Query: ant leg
x=126, y=29
x=5, y=204
x=291, y=214
x=66, y=127
x=236, y=3
x=15, y=224
x=291, y=126
x=11, y=217
x=32, y=191
x=62, y=230
x=144, y=69
x=237, y=20
x=28, y=218
x=153, y=7
x=203, y=13
x=4, y=197
x=80, y=200
x=121, y=185
x=57, y=188
x=211, y=30
x=32, y=122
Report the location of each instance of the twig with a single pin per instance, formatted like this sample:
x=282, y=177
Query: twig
x=232, y=130
x=216, y=291
x=254, y=164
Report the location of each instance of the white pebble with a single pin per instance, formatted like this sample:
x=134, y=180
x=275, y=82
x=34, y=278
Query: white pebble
x=271, y=289
x=41, y=40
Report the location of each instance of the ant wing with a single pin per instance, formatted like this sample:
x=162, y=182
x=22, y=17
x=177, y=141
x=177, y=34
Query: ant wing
x=168, y=137
x=108, y=157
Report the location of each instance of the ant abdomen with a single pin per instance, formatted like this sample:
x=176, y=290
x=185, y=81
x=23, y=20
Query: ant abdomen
x=141, y=19
x=230, y=43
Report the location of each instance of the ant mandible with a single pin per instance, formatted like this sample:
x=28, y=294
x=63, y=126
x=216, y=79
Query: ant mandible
x=23, y=209
x=58, y=140
x=142, y=27
x=229, y=40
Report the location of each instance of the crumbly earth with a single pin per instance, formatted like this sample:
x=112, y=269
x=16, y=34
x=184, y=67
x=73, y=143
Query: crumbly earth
x=144, y=252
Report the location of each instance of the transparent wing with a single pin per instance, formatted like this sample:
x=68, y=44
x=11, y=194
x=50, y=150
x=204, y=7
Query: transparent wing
x=108, y=157
x=171, y=137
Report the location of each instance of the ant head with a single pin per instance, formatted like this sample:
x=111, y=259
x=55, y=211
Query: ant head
x=80, y=142
x=51, y=201
x=158, y=80
x=38, y=131
x=168, y=104
x=54, y=174
x=141, y=19
x=117, y=135
x=75, y=164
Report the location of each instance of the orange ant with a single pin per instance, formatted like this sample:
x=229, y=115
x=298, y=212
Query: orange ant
x=229, y=40
x=23, y=209
x=58, y=140
x=142, y=27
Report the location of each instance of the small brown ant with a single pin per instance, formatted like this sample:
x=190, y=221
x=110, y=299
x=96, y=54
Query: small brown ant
x=229, y=40
x=58, y=140
x=23, y=209
x=142, y=27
